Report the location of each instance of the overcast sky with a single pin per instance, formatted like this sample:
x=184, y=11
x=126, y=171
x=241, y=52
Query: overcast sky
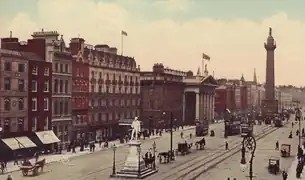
x=176, y=32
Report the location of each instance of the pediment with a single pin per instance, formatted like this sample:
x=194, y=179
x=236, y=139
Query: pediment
x=209, y=80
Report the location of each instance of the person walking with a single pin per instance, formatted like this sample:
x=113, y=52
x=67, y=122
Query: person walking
x=277, y=145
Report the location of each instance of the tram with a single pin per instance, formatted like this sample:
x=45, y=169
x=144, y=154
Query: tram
x=232, y=123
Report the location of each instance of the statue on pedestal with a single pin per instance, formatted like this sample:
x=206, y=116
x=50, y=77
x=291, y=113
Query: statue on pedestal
x=136, y=128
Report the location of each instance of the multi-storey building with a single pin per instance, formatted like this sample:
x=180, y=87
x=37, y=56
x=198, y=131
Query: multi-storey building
x=40, y=95
x=162, y=90
x=13, y=92
x=114, y=88
x=80, y=88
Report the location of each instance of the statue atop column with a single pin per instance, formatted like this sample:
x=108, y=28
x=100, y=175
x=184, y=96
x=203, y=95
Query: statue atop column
x=136, y=128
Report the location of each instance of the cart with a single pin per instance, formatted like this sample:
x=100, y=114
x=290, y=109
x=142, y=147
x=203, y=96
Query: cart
x=274, y=165
x=285, y=150
x=33, y=168
x=183, y=148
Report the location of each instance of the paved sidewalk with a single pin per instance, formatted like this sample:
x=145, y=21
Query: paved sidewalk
x=66, y=156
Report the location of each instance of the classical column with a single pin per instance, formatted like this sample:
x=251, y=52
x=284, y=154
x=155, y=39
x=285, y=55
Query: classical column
x=183, y=108
x=209, y=106
x=205, y=106
x=197, y=105
x=213, y=106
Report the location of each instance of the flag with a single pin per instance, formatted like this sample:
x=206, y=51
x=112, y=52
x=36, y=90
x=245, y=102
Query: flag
x=124, y=33
x=204, y=56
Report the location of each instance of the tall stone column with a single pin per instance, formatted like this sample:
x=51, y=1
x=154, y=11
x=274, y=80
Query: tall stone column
x=183, y=108
x=205, y=106
x=209, y=107
x=213, y=106
x=197, y=105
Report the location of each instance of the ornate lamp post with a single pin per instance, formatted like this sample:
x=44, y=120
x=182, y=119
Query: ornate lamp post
x=171, y=135
x=113, y=166
x=139, y=159
x=154, y=154
x=250, y=144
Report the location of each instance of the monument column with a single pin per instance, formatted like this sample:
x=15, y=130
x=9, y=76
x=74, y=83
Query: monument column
x=183, y=108
x=197, y=105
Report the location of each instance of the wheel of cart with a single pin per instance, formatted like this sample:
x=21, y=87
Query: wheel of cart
x=285, y=150
x=274, y=165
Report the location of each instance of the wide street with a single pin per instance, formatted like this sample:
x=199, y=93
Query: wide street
x=98, y=165
x=264, y=150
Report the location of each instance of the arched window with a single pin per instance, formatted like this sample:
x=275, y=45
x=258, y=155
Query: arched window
x=20, y=104
x=7, y=104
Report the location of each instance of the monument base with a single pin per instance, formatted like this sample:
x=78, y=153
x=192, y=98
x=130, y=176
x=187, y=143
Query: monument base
x=134, y=167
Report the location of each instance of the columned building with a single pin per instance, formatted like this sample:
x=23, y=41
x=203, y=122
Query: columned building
x=187, y=99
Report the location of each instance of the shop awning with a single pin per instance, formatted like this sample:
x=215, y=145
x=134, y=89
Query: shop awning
x=19, y=143
x=26, y=142
x=125, y=122
x=47, y=137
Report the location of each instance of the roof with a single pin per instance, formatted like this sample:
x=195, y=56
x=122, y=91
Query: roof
x=21, y=54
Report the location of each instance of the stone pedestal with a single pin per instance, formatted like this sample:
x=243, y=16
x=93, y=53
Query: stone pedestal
x=134, y=167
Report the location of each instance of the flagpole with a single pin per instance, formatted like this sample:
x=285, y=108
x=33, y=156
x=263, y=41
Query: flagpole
x=122, y=43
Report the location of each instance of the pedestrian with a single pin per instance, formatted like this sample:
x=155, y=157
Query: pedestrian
x=181, y=134
x=191, y=135
x=297, y=132
x=285, y=175
x=9, y=177
x=36, y=156
x=292, y=124
x=277, y=145
x=227, y=145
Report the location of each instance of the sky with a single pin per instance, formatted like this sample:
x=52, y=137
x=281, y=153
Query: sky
x=176, y=32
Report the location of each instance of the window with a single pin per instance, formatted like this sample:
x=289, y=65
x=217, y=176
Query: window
x=66, y=68
x=100, y=74
x=56, y=67
x=21, y=104
x=66, y=86
x=34, y=104
x=99, y=89
x=7, y=104
x=7, y=66
x=99, y=116
x=35, y=70
x=61, y=84
x=6, y=127
x=61, y=68
x=7, y=83
x=21, y=84
x=92, y=74
x=46, y=123
x=66, y=109
x=55, y=108
x=46, y=104
x=21, y=68
x=34, y=86
x=61, y=107
x=92, y=88
x=55, y=86
x=34, y=124
x=46, y=86
x=20, y=124
x=46, y=71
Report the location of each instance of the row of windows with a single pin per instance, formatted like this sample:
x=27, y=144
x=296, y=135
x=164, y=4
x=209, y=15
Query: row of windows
x=11, y=124
x=114, y=76
x=113, y=116
x=61, y=107
x=115, y=89
x=61, y=86
x=8, y=104
x=35, y=104
x=8, y=84
x=115, y=102
x=61, y=68
x=8, y=67
x=35, y=125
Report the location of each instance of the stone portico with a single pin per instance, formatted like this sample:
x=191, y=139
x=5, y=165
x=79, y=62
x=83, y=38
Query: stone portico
x=198, y=102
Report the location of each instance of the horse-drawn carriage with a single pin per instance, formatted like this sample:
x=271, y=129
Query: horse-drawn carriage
x=200, y=144
x=274, y=165
x=149, y=161
x=28, y=167
x=285, y=150
x=164, y=157
x=184, y=148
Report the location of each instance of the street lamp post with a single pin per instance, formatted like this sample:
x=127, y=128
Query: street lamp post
x=154, y=153
x=139, y=159
x=249, y=142
x=171, y=135
x=113, y=166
